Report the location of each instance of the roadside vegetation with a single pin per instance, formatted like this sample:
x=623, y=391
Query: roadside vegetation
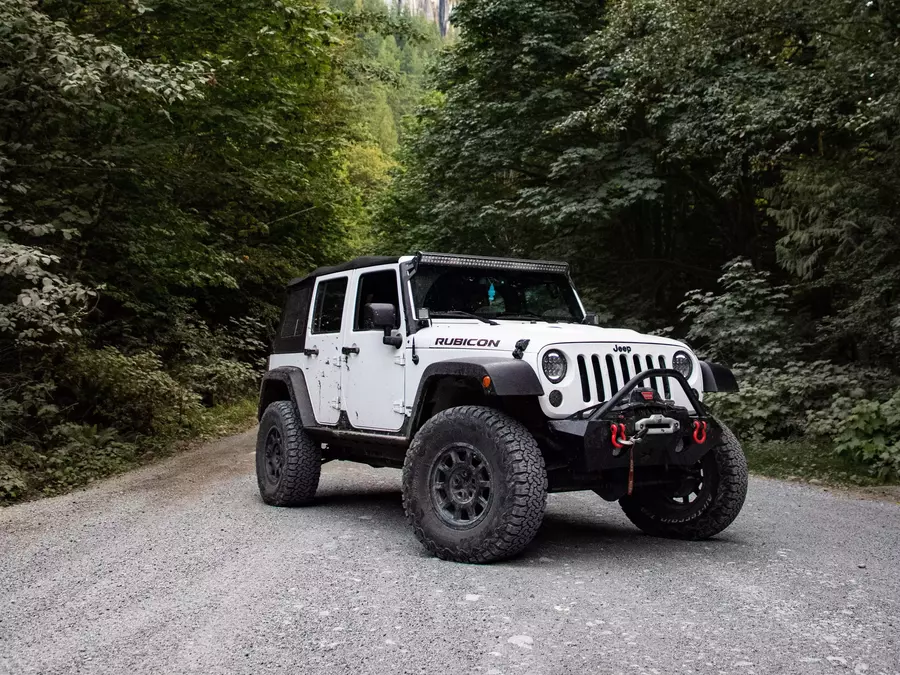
x=728, y=170
x=725, y=171
x=165, y=169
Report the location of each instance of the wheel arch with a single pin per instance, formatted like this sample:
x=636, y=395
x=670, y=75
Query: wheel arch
x=717, y=377
x=513, y=387
x=286, y=383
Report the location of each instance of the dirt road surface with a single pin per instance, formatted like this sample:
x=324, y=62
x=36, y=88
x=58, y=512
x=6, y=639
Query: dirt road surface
x=180, y=568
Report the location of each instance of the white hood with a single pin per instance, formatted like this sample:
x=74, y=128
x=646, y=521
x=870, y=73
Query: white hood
x=505, y=334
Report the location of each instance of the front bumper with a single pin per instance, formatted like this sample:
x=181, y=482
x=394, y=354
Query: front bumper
x=648, y=432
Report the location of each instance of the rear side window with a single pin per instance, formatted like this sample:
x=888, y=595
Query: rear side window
x=377, y=287
x=329, y=306
x=296, y=312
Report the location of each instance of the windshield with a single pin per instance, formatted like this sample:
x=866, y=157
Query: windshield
x=496, y=293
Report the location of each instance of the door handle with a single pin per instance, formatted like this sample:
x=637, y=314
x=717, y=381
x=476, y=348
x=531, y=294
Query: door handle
x=349, y=350
x=311, y=352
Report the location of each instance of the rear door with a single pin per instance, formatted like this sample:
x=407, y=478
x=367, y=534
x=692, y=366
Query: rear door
x=323, y=346
x=374, y=372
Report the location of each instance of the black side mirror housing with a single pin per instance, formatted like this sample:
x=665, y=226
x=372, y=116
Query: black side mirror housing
x=591, y=319
x=379, y=315
x=382, y=315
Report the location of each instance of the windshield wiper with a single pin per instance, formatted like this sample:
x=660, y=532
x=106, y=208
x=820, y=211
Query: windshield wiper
x=532, y=315
x=524, y=315
x=461, y=315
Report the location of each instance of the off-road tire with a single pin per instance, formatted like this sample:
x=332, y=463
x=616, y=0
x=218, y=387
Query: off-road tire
x=723, y=503
x=301, y=460
x=518, y=487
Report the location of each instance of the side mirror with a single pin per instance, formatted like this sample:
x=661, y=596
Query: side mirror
x=591, y=319
x=382, y=315
x=379, y=315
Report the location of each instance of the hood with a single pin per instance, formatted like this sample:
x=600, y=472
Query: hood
x=503, y=336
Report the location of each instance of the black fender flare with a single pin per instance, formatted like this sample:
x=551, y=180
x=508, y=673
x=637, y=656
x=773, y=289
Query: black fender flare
x=509, y=377
x=717, y=377
x=289, y=378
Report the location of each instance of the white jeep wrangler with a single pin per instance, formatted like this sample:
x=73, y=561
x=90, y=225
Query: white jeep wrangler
x=486, y=381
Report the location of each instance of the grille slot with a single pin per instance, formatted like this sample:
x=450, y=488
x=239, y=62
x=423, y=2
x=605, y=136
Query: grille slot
x=585, y=385
x=638, y=368
x=626, y=374
x=611, y=369
x=653, y=380
x=667, y=392
x=598, y=377
x=601, y=376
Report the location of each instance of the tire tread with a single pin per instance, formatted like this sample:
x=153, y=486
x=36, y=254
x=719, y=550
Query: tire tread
x=302, y=461
x=526, y=483
x=725, y=507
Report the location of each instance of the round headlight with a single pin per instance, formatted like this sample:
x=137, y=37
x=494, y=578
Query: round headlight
x=683, y=364
x=554, y=365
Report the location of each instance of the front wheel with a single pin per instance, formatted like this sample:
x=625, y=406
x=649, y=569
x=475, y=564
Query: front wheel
x=707, y=501
x=474, y=485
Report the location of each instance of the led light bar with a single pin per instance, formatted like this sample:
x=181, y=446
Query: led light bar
x=492, y=263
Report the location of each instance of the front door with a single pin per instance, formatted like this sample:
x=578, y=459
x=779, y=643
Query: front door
x=373, y=378
x=323, y=345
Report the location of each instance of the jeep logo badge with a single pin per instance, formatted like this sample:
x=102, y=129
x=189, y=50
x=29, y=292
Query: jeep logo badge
x=622, y=348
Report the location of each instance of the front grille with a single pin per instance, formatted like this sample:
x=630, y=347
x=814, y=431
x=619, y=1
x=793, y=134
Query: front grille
x=601, y=377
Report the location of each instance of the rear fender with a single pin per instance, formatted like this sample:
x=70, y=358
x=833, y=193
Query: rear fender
x=286, y=383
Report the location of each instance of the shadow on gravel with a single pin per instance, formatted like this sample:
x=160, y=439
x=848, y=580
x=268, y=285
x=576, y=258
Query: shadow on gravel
x=380, y=503
x=589, y=537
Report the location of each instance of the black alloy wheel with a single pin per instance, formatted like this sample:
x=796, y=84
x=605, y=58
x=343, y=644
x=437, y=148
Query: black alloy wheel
x=461, y=487
x=274, y=455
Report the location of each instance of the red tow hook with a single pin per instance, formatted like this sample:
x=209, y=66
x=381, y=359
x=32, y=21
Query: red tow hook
x=699, y=432
x=616, y=431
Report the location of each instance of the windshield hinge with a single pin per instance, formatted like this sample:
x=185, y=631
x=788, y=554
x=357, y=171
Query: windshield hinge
x=521, y=346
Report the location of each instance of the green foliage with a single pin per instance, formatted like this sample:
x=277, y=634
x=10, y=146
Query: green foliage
x=783, y=398
x=80, y=453
x=13, y=485
x=653, y=143
x=804, y=459
x=865, y=430
x=747, y=321
x=130, y=393
x=776, y=402
x=164, y=170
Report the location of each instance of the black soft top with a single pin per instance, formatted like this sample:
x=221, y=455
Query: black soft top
x=355, y=264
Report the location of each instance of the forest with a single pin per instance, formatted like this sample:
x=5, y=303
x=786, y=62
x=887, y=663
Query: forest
x=726, y=172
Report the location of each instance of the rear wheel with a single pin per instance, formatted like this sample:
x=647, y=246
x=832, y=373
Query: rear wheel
x=288, y=462
x=474, y=485
x=706, y=501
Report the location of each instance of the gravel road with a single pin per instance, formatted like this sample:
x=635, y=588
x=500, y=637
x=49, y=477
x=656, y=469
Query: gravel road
x=179, y=568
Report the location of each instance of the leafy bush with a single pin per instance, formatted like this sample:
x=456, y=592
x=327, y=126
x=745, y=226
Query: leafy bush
x=131, y=393
x=865, y=430
x=746, y=322
x=777, y=402
x=783, y=398
x=223, y=365
x=80, y=453
x=220, y=380
x=13, y=485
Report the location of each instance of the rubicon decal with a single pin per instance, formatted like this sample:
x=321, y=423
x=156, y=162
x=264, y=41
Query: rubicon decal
x=465, y=342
